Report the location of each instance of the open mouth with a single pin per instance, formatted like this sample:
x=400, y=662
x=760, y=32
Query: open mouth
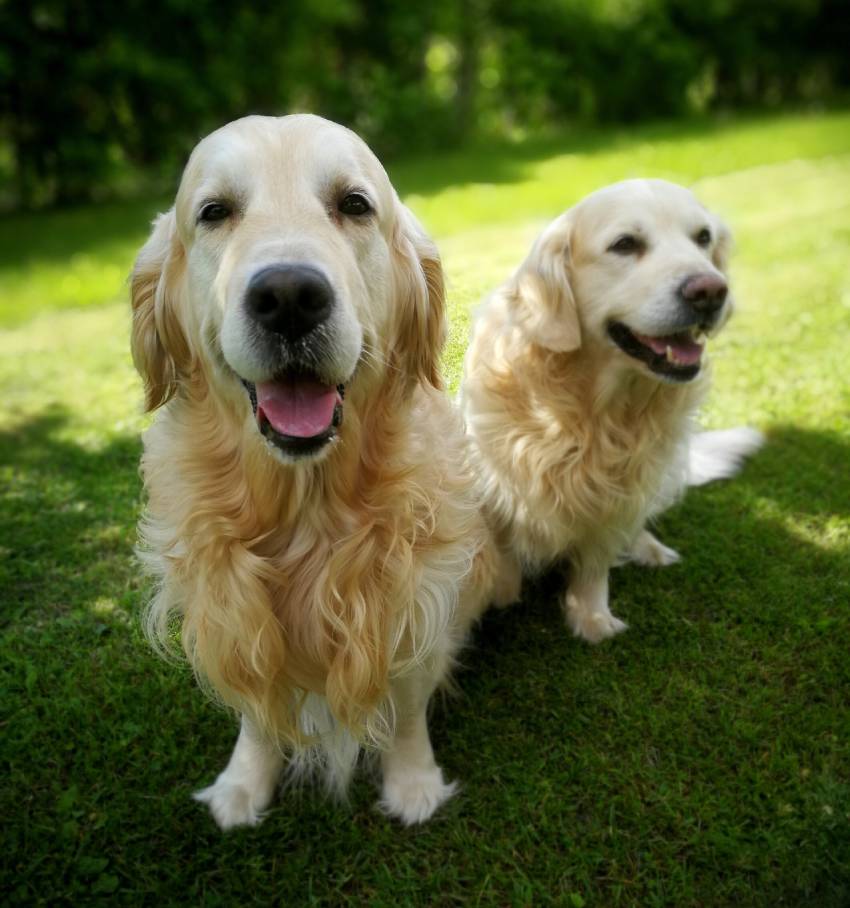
x=297, y=412
x=675, y=356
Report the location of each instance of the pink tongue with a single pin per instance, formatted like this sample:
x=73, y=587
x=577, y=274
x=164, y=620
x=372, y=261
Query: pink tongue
x=299, y=407
x=685, y=350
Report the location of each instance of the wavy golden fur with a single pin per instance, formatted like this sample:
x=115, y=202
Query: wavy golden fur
x=323, y=597
x=577, y=443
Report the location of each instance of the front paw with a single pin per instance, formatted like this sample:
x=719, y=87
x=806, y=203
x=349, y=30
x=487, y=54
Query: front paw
x=233, y=804
x=594, y=626
x=413, y=796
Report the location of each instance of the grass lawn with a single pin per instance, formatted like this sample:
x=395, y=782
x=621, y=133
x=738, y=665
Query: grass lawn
x=701, y=759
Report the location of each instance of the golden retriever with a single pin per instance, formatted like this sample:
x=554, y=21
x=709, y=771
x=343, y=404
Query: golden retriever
x=581, y=385
x=311, y=519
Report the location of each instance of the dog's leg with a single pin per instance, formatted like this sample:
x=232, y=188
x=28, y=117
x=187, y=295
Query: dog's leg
x=413, y=784
x=650, y=551
x=245, y=789
x=586, y=607
x=508, y=583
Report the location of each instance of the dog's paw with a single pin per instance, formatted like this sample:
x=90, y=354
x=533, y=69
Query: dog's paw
x=232, y=804
x=413, y=796
x=651, y=552
x=594, y=626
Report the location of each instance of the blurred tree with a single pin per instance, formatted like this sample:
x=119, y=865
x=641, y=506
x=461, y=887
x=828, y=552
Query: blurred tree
x=92, y=90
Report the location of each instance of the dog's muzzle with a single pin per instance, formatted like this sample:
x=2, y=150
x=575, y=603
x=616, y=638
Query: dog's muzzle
x=677, y=355
x=289, y=300
x=298, y=410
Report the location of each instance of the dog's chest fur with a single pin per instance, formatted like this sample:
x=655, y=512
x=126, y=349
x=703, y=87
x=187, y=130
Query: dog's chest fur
x=569, y=469
x=329, y=580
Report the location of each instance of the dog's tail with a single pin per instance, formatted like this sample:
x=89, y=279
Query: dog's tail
x=721, y=453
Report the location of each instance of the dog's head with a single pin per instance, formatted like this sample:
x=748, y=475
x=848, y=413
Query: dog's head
x=638, y=267
x=286, y=271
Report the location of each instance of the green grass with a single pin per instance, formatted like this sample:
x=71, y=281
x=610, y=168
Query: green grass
x=702, y=759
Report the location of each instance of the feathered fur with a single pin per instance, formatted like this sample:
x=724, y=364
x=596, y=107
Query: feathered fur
x=577, y=445
x=324, y=598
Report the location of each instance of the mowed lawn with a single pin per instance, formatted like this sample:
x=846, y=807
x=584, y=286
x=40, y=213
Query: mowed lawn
x=701, y=759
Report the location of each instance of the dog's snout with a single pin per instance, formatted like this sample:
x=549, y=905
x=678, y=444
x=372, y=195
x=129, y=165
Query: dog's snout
x=705, y=293
x=289, y=300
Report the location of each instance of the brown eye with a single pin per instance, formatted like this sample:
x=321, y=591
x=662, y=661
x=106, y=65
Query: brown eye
x=703, y=238
x=626, y=245
x=355, y=204
x=212, y=212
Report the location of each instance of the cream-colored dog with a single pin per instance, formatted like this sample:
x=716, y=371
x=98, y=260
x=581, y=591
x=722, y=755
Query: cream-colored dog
x=581, y=384
x=311, y=520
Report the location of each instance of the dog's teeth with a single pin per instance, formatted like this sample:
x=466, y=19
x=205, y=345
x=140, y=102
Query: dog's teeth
x=670, y=357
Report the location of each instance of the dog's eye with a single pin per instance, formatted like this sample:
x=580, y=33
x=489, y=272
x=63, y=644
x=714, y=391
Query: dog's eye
x=213, y=212
x=703, y=238
x=626, y=245
x=355, y=203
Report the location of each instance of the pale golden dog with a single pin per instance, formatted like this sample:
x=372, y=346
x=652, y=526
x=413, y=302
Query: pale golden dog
x=311, y=520
x=582, y=381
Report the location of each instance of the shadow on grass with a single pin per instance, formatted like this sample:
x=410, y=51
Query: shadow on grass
x=803, y=471
x=67, y=515
x=722, y=702
x=57, y=236
x=696, y=759
x=744, y=575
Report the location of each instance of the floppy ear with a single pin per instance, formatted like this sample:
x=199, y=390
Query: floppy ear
x=722, y=246
x=421, y=296
x=158, y=343
x=540, y=295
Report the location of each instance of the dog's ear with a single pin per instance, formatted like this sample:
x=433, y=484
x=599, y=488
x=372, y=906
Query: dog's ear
x=540, y=295
x=159, y=346
x=722, y=246
x=421, y=299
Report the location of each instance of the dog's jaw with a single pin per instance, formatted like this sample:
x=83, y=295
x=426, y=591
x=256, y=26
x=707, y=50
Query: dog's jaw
x=674, y=357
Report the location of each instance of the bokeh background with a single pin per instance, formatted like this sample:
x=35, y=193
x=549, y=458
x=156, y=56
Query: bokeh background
x=96, y=95
x=700, y=760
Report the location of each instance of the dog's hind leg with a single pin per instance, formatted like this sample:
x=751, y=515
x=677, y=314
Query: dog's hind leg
x=246, y=787
x=413, y=784
x=586, y=607
x=652, y=552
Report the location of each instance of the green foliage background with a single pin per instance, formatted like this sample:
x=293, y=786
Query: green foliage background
x=96, y=93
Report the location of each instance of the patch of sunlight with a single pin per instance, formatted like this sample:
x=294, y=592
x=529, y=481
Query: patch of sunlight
x=111, y=534
x=767, y=197
x=476, y=261
x=830, y=535
x=79, y=362
x=104, y=605
x=827, y=532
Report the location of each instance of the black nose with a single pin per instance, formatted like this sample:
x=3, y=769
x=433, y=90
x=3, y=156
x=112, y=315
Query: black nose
x=704, y=292
x=289, y=300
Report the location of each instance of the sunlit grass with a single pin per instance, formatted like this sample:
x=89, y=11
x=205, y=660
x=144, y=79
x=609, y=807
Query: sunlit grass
x=68, y=259
x=699, y=760
x=534, y=181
